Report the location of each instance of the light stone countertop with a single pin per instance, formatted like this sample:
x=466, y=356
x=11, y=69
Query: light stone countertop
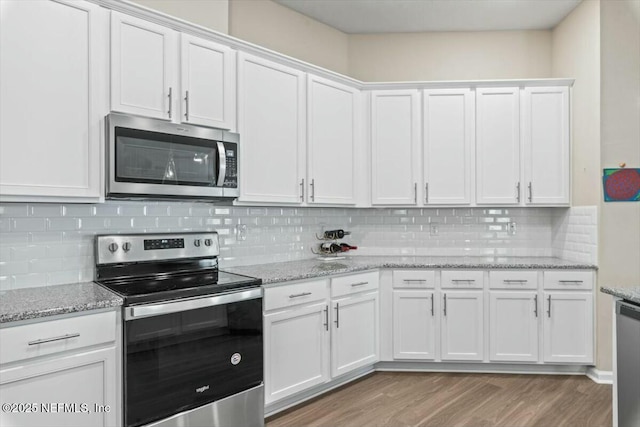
x=630, y=294
x=41, y=302
x=312, y=268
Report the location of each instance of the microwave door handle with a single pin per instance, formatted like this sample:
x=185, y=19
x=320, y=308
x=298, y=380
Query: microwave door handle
x=222, y=164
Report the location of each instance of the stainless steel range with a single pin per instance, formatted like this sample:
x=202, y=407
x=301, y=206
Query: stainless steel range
x=192, y=334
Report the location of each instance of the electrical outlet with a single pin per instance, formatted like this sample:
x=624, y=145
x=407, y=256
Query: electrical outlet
x=511, y=228
x=241, y=232
x=433, y=229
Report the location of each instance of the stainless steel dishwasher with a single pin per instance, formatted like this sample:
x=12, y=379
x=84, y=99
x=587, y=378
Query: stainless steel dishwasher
x=628, y=357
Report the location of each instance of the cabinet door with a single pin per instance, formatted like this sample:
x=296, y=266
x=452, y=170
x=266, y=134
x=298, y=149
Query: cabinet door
x=545, y=134
x=354, y=339
x=449, y=128
x=86, y=380
x=462, y=325
x=414, y=325
x=332, y=134
x=143, y=67
x=395, y=139
x=513, y=331
x=568, y=327
x=53, y=99
x=296, y=350
x=498, y=146
x=271, y=122
x=207, y=83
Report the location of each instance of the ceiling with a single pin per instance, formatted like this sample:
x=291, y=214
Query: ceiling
x=404, y=16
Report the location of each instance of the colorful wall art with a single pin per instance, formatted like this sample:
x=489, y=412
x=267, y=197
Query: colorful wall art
x=621, y=185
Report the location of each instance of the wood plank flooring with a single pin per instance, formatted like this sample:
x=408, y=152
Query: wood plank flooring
x=457, y=400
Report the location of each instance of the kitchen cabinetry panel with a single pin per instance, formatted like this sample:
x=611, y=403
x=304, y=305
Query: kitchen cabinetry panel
x=143, y=67
x=498, y=146
x=207, y=83
x=448, y=122
x=414, y=325
x=462, y=326
x=332, y=134
x=568, y=327
x=271, y=122
x=513, y=326
x=53, y=100
x=545, y=128
x=296, y=350
x=395, y=139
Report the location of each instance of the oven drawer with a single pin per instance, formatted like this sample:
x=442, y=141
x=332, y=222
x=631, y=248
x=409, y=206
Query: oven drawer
x=54, y=336
x=294, y=294
x=354, y=283
x=513, y=279
x=568, y=280
x=414, y=279
x=462, y=279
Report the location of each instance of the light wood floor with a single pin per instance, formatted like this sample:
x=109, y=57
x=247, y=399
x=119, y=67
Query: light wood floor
x=445, y=399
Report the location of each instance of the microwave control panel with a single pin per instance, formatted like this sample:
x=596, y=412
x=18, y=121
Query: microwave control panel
x=231, y=154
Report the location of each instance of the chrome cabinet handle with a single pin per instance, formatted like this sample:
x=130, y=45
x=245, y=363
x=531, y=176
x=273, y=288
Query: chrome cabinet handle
x=170, y=100
x=535, y=304
x=514, y=281
x=530, y=192
x=313, y=190
x=518, y=192
x=431, y=305
x=426, y=192
x=326, y=317
x=463, y=280
x=303, y=294
x=445, y=304
x=359, y=284
x=60, y=338
x=186, y=110
x=414, y=280
x=415, y=193
x=575, y=282
x=549, y=310
x=302, y=190
x=337, y=321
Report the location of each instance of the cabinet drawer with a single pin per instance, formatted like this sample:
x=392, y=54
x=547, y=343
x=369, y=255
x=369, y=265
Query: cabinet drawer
x=54, y=336
x=567, y=280
x=353, y=284
x=463, y=279
x=295, y=294
x=414, y=279
x=513, y=279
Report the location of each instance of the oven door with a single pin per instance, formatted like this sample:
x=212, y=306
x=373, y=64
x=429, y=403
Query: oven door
x=185, y=354
x=148, y=157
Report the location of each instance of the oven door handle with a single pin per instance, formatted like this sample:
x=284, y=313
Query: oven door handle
x=222, y=163
x=138, y=312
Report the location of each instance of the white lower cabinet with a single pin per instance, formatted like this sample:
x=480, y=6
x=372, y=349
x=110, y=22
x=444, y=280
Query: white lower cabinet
x=568, y=327
x=414, y=325
x=296, y=350
x=513, y=326
x=462, y=325
x=354, y=339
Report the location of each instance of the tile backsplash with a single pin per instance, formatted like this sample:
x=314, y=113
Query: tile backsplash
x=575, y=234
x=42, y=244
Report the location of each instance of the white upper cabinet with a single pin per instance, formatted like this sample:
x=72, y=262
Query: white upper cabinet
x=207, y=83
x=449, y=130
x=271, y=123
x=53, y=99
x=331, y=136
x=545, y=136
x=395, y=149
x=143, y=67
x=498, y=146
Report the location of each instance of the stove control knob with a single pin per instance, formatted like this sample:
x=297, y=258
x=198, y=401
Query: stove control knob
x=208, y=242
x=113, y=247
x=197, y=243
x=126, y=246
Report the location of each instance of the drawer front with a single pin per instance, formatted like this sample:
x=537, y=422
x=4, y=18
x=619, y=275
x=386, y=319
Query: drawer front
x=568, y=280
x=295, y=294
x=353, y=284
x=414, y=279
x=513, y=279
x=462, y=279
x=54, y=336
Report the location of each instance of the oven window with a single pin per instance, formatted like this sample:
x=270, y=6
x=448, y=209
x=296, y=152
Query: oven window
x=180, y=361
x=156, y=158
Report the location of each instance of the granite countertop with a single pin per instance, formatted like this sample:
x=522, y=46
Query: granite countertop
x=630, y=294
x=31, y=303
x=310, y=268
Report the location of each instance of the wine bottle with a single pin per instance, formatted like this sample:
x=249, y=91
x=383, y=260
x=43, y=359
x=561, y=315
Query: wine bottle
x=345, y=247
x=336, y=234
x=330, y=248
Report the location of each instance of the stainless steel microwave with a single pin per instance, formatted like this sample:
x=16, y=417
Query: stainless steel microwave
x=155, y=159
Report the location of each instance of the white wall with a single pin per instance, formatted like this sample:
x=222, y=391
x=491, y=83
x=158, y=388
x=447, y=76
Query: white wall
x=212, y=14
x=450, y=55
